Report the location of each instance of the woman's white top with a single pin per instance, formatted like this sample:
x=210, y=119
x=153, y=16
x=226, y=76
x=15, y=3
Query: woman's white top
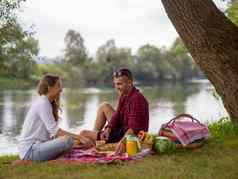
x=39, y=125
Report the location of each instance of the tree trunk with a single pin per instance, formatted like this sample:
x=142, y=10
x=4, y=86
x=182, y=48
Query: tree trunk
x=212, y=40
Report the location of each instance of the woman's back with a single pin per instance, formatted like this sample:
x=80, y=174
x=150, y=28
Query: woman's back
x=39, y=125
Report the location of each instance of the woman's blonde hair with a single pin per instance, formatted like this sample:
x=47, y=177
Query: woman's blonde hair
x=47, y=81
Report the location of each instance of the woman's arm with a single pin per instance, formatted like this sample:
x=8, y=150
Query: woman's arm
x=62, y=132
x=81, y=139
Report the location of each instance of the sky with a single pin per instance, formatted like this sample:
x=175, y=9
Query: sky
x=131, y=23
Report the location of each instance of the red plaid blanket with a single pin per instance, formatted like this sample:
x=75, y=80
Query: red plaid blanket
x=91, y=156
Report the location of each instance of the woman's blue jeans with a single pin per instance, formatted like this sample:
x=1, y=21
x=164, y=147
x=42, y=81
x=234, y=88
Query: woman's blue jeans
x=50, y=149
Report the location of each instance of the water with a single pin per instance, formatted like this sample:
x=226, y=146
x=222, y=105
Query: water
x=79, y=107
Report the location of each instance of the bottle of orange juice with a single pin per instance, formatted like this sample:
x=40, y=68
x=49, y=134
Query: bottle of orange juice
x=132, y=145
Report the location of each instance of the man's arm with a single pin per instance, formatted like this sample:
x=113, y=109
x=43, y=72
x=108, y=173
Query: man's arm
x=138, y=115
x=121, y=145
x=128, y=132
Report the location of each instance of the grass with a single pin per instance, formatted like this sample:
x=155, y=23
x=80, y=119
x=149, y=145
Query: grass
x=218, y=158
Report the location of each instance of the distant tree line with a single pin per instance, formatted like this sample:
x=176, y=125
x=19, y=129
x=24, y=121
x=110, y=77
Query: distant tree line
x=150, y=64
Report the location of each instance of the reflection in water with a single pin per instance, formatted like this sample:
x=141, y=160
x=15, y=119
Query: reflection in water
x=74, y=103
x=167, y=101
x=90, y=113
x=8, y=124
x=205, y=107
x=20, y=107
x=9, y=120
x=64, y=123
x=79, y=108
x=159, y=115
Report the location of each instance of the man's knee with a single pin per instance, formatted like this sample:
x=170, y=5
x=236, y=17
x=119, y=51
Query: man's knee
x=104, y=105
x=83, y=132
x=89, y=134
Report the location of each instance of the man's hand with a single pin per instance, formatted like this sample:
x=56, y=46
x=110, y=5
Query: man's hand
x=120, y=148
x=105, y=134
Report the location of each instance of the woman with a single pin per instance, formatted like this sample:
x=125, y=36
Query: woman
x=41, y=139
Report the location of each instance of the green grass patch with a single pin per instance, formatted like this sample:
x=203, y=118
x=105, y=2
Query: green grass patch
x=223, y=128
x=216, y=159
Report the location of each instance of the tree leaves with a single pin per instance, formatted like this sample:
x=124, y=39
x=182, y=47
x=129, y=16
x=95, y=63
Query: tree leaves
x=232, y=12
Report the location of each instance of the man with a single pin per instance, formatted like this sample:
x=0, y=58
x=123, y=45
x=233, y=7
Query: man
x=131, y=115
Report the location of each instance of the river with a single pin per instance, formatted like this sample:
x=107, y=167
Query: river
x=79, y=107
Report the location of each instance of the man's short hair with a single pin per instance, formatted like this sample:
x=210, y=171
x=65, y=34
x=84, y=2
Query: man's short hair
x=123, y=72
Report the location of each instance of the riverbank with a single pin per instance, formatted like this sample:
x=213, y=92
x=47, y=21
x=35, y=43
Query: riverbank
x=218, y=158
x=10, y=82
x=15, y=83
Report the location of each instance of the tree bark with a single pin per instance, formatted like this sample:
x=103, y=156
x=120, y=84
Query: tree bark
x=212, y=40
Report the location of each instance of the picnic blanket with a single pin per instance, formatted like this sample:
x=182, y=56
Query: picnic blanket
x=91, y=156
x=187, y=131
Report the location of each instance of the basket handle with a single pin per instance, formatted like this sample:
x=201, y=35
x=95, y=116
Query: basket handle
x=183, y=115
